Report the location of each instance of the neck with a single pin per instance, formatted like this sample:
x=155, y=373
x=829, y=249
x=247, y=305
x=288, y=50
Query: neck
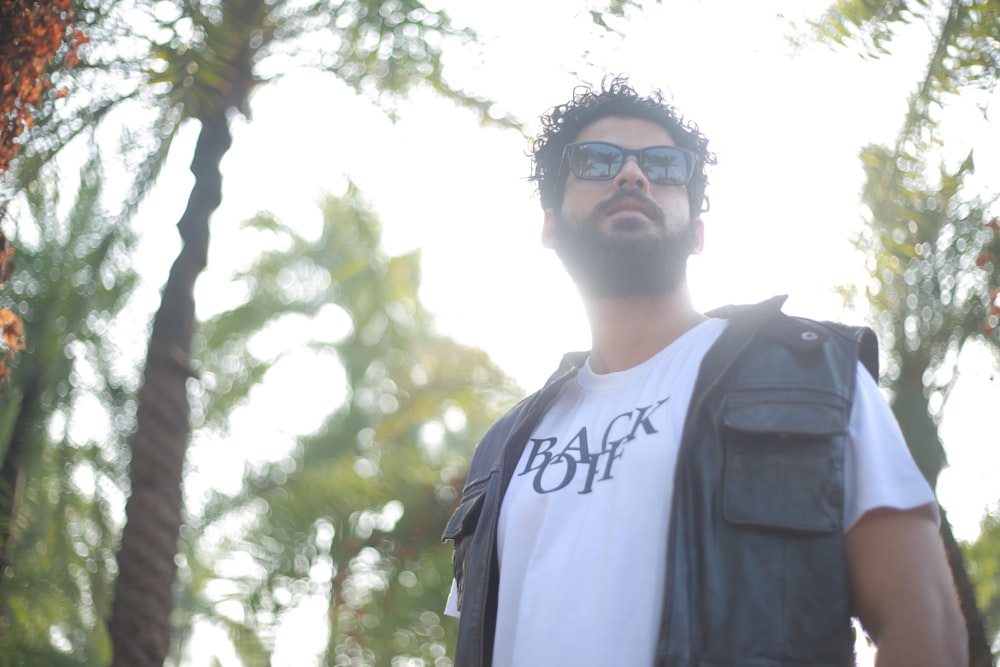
x=626, y=331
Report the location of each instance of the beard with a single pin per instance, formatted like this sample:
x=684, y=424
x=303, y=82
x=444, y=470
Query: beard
x=624, y=265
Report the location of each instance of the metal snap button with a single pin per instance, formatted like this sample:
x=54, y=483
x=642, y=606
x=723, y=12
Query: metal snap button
x=809, y=336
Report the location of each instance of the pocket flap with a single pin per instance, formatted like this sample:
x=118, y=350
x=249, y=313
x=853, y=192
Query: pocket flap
x=784, y=460
x=762, y=414
x=465, y=517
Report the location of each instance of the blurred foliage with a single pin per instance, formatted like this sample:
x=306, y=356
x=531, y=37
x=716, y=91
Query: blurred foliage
x=965, y=52
x=872, y=24
x=160, y=64
x=353, y=516
x=983, y=556
x=151, y=68
x=932, y=251
x=931, y=242
x=614, y=15
x=416, y=401
x=932, y=236
x=37, y=37
x=62, y=423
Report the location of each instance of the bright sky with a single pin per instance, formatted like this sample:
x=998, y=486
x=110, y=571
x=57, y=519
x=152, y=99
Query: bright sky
x=787, y=132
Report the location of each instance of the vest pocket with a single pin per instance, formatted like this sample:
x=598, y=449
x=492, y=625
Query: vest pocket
x=462, y=526
x=784, y=466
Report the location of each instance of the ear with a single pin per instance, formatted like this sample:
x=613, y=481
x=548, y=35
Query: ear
x=549, y=225
x=699, y=234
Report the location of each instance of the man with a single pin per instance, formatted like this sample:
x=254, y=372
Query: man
x=712, y=490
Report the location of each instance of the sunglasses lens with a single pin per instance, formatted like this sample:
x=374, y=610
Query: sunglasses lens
x=666, y=165
x=600, y=161
x=595, y=161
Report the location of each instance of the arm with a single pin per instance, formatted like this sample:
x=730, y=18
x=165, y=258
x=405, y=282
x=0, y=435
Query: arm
x=903, y=590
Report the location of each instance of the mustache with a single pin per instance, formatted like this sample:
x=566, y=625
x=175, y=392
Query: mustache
x=649, y=206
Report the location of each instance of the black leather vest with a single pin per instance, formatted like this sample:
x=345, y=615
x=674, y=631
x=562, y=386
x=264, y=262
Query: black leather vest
x=757, y=570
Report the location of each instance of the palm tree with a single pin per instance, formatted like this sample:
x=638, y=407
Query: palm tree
x=932, y=240
x=201, y=60
x=369, y=491
x=59, y=542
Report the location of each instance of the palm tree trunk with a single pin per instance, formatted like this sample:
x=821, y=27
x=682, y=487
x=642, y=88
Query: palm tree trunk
x=143, y=599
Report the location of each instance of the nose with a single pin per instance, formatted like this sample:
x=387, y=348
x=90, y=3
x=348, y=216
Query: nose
x=632, y=176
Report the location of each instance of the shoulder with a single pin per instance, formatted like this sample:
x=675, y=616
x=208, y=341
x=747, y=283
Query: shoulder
x=491, y=445
x=523, y=415
x=768, y=326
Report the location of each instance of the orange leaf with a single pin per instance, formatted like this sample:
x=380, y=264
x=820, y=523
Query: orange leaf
x=11, y=330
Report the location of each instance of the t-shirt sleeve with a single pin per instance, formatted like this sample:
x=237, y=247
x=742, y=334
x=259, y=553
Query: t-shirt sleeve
x=879, y=471
x=451, y=607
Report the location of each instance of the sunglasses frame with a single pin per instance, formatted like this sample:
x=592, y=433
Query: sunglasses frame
x=690, y=160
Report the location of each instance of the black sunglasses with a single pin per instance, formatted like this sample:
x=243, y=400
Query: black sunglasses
x=601, y=161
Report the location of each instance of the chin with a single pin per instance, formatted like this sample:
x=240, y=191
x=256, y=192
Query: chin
x=631, y=226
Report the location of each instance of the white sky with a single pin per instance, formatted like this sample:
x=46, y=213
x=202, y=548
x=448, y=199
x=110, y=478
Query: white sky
x=787, y=132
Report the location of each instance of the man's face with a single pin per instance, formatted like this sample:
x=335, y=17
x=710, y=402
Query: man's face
x=625, y=236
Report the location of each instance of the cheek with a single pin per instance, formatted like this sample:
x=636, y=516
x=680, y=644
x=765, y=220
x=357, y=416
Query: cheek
x=674, y=204
x=582, y=196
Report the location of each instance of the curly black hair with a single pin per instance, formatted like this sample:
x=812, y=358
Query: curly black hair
x=562, y=124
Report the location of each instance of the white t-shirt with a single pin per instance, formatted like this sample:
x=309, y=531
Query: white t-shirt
x=583, y=526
